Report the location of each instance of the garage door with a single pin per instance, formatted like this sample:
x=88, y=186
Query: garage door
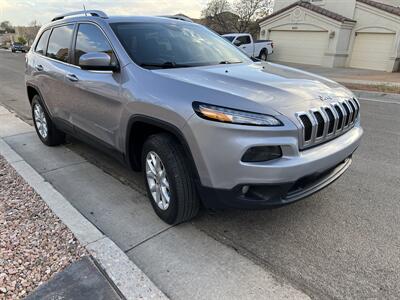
x=305, y=47
x=371, y=51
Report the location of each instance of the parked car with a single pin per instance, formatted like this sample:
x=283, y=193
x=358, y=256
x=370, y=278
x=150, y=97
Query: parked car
x=258, y=49
x=200, y=119
x=18, y=47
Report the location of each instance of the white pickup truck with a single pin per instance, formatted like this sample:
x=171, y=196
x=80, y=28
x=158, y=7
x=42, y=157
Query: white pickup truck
x=258, y=49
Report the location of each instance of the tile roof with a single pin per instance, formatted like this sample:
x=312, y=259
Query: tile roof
x=385, y=7
x=314, y=8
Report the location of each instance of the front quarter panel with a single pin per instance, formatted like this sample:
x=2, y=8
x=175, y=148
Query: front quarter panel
x=151, y=96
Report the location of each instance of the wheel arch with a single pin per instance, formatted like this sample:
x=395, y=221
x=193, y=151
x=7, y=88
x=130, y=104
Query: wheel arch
x=140, y=127
x=31, y=91
x=262, y=51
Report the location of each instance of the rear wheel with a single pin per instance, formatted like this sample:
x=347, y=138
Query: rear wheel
x=264, y=55
x=169, y=184
x=45, y=128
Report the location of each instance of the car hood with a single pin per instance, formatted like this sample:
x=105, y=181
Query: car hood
x=281, y=88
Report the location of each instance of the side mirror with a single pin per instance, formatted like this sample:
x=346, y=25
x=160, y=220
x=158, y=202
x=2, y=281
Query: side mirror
x=97, y=61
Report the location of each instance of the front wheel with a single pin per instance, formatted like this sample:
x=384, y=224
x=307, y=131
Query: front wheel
x=170, y=186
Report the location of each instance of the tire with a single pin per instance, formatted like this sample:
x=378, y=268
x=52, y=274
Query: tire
x=183, y=199
x=263, y=55
x=54, y=137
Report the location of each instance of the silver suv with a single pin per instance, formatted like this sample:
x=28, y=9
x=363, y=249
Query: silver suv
x=205, y=123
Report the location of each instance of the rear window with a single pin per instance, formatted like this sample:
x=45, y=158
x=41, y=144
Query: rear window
x=42, y=43
x=59, y=43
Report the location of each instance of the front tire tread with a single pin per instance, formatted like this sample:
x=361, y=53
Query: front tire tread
x=184, y=191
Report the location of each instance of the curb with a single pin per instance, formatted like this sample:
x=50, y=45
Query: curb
x=384, y=97
x=366, y=82
x=126, y=276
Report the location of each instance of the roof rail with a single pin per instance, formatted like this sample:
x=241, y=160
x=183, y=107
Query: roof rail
x=182, y=18
x=94, y=13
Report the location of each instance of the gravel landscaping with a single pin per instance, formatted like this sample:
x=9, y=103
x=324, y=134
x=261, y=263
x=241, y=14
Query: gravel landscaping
x=34, y=243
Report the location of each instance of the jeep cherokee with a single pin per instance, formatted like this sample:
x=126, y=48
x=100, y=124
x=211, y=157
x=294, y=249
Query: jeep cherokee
x=205, y=123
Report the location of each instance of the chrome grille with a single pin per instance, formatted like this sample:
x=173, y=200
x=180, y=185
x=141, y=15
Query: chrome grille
x=327, y=122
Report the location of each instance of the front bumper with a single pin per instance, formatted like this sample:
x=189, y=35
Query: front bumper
x=263, y=196
x=217, y=150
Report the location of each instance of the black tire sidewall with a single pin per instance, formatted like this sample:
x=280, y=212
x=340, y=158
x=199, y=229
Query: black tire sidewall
x=48, y=140
x=263, y=53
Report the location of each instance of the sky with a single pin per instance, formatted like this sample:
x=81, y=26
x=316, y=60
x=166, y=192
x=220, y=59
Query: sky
x=23, y=12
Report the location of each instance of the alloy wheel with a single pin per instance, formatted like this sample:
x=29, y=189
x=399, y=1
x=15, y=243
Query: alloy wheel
x=157, y=180
x=40, y=120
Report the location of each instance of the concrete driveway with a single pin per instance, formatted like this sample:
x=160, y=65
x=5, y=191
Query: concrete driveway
x=351, y=75
x=343, y=242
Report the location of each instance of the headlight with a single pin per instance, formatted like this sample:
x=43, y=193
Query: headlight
x=226, y=115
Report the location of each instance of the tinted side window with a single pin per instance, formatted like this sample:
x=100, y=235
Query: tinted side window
x=42, y=43
x=91, y=39
x=60, y=40
x=244, y=40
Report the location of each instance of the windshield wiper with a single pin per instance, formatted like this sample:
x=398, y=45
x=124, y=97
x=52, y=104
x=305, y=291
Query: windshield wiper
x=165, y=65
x=225, y=62
x=171, y=64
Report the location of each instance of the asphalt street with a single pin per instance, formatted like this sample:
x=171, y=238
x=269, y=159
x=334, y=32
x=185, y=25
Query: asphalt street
x=343, y=242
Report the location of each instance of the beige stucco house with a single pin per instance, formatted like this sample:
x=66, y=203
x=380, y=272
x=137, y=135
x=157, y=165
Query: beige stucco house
x=336, y=33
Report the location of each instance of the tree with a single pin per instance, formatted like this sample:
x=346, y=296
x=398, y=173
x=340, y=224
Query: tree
x=238, y=16
x=35, y=23
x=7, y=27
x=21, y=40
x=216, y=15
x=31, y=31
x=248, y=11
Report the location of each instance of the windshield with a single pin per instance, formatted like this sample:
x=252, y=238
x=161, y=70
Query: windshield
x=175, y=45
x=229, y=38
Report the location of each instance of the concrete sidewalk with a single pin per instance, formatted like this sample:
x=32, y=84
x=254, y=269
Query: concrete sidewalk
x=121, y=273
x=351, y=75
x=184, y=262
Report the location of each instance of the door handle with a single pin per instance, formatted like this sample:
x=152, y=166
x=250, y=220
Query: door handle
x=39, y=67
x=244, y=47
x=72, y=77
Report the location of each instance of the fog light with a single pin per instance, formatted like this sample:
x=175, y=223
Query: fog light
x=262, y=153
